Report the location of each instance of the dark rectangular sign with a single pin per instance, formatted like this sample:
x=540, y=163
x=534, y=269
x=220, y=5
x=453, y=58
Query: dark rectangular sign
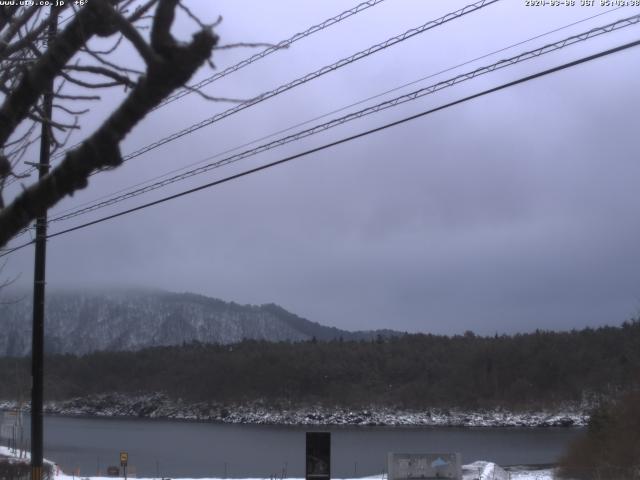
x=318, y=456
x=113, y=471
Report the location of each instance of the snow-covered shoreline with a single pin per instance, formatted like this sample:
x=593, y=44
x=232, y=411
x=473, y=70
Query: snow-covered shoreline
x=478, y=470
x=158, y=406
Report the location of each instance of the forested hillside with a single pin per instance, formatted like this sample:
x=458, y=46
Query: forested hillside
x=528, y=370
x=81, y=322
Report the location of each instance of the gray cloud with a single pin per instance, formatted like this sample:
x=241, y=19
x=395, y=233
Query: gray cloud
x=509, y=213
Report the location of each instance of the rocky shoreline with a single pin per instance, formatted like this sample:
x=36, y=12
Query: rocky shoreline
x=159, y=406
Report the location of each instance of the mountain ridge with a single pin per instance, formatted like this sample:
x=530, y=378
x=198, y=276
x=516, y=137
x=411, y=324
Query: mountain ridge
x=81, y=322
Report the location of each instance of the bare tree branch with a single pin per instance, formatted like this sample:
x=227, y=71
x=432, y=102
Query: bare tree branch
x=129, y=31
x=193, y=17
x=69, y=111
x=214, y=99
x=76, y=97
x=20, y=138
x=103, y=61
x=15, y=24
x=31, y=36
x=82, y=83
x=6, y=14
x=120, y=79
x=17, y=105
x=173, y=64
x=141, y=11
x=108, y=50
x=66, y=139
x=40, y=118
x=161, y=40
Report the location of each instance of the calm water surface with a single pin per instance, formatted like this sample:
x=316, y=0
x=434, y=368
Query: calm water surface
x=184, y=449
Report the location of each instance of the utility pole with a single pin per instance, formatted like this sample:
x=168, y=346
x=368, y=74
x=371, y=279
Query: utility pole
x=37, y=339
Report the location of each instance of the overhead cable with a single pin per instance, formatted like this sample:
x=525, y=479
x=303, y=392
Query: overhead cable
x=546, y=49
x=252, y=59
x=341, y=109
x=313, y=75
x=341, y=141
x=271, y=49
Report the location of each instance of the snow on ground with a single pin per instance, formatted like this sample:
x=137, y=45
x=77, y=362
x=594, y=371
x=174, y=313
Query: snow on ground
x=532, y=475
x=160, y=406
x=479, y=470
x=484, y=471
x=486, y=475
x=10, y=454
x=490, y=471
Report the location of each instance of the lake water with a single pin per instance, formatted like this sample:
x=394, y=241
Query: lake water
x=186, y=449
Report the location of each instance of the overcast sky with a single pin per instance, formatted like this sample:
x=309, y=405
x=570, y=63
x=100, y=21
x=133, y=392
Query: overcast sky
x=512, y=212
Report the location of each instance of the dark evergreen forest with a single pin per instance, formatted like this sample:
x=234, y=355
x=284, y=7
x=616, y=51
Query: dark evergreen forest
x=412, y=371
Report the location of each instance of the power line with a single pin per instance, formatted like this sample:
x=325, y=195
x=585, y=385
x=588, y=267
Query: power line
x=546, y=49
x=305, y=78
x=343, y=140
x=258, y=56
x=359, y=102
x=272, y=49
x=339, y=110
x=9, y=251
x=313, y=75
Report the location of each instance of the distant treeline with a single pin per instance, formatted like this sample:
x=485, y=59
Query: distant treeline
x=413, y=370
